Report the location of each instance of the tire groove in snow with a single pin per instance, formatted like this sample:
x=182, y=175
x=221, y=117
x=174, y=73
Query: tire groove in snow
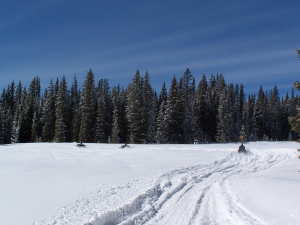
x=176, y=193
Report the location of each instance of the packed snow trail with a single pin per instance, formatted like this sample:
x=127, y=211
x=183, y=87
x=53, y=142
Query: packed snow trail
x=198, y=195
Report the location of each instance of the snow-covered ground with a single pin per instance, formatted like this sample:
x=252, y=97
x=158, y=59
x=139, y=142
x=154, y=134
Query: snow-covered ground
x=60, y=184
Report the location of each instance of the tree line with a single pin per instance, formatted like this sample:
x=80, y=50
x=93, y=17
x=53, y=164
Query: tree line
x=207, y=111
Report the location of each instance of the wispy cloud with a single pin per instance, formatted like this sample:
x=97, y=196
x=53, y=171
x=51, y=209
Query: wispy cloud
x=212, y=31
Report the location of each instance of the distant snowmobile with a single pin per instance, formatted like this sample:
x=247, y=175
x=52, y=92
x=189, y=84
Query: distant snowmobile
x=124, y=146
x=81, y=145
x=242, y=149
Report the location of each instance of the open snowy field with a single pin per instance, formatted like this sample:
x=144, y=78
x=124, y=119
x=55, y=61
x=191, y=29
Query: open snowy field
x=55, y=184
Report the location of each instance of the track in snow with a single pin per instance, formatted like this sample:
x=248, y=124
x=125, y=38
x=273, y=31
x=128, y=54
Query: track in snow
x=198, y=195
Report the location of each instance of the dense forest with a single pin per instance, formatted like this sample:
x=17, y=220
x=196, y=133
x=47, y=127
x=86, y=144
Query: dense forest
x=210, y=110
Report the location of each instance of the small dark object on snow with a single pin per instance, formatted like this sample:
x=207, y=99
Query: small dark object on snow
x=125, y=145
x=298, y=150
x=242, y=149
x=80, y=145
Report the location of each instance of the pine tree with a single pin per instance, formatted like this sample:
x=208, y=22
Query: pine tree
x=150, y=109
x=115, y=138
x=163, y=95
x=201, y=113
x=274, y=115
x=136, y=110
x=295, y=120
x=123, y=121
x=88, y=108
x=187, y=93
x=259, y=116
x=103, y=92
x=225, y=118
x=238, y=101
x=100, y=121
x=2, y=125
x=60, y=106
x=161, y=123
x=174, y=115
x=31, y=106
x=49, y=114
x=248, y=117
x=75, y=111
x=221, y=135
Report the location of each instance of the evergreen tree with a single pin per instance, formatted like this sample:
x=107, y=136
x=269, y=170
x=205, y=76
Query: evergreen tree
x=88, y=108
x=187, y=93
x=274, y=115
x=75, y=111
x=123, y=121
x=100, y=121
x=174, y=115
x=295, y=120
x=161, y=123
x=260, y=115
x=201, y=113
x=49, y=114
x=150, y=109
x=104, y=94
x=60, y=106
x=136, y=110
x=31, y=106
x=225, y=119
x=248, y=118
x=116, y=131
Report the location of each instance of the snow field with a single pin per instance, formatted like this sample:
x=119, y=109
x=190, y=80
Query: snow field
x=59, y=184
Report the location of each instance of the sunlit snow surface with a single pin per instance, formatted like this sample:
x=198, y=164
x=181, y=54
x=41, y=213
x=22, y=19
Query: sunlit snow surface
x=47, y=184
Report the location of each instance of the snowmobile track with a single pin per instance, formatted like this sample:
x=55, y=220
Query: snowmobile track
x=198, y=195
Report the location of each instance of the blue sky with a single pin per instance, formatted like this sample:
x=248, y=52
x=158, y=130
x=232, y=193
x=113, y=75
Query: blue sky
x=250, y=42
